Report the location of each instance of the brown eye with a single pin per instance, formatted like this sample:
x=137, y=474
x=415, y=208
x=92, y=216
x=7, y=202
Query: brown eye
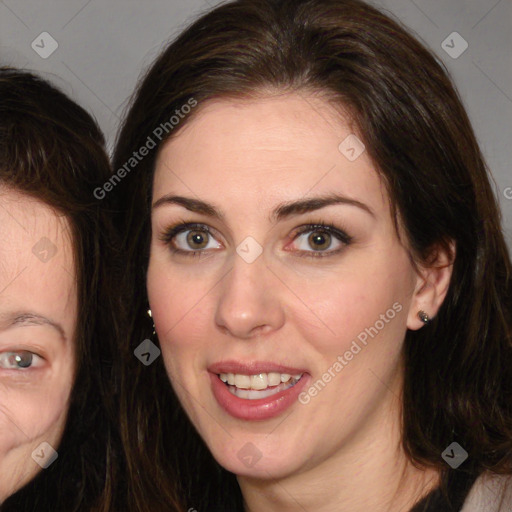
x=22, y=359
x=190, y=238
x=197, y=239
x=319, y=240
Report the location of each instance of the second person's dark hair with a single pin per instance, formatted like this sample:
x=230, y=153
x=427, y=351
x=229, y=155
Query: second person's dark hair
x=52, y=149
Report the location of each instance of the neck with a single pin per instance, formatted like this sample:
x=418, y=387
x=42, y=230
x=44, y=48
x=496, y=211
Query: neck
x=369, y=472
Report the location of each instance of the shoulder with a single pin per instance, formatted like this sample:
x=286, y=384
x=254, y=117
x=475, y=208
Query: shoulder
x=490, y=493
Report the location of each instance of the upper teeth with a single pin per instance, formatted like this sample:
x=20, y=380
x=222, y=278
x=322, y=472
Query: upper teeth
x=259, y=381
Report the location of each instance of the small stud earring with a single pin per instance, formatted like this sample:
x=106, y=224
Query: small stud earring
x=423, y=317
x=151, y=316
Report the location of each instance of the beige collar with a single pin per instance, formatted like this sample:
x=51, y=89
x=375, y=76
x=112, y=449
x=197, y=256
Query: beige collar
x=490, y=493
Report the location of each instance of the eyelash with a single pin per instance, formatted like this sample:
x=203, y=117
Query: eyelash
x=171, y=232
x=32, y=366
x=323, y=227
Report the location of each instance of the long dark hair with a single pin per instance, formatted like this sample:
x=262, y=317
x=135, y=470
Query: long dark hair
x=458, y=370
x=52, y=150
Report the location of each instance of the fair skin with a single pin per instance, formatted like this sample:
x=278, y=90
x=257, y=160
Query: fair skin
x=341, y=450
x=38, y=310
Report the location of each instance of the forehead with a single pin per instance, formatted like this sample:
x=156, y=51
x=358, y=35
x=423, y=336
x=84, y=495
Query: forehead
x=37, y=271
x=281, y=146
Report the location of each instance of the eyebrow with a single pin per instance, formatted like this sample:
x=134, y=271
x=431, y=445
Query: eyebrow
x=27, y=318
x=194, y=205
x=282, y=211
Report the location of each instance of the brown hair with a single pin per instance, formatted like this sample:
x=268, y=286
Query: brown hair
x=458, y=370
x=52, y=150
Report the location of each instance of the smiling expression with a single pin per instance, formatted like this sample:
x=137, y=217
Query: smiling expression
x=271, y=253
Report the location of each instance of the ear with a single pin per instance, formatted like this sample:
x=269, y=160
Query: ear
x=432, y=283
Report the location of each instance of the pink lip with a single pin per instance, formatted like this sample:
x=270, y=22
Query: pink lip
x=253, y=368
x=260, y=409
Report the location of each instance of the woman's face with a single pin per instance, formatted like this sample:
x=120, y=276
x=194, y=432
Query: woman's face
x=280, y=291
x=38, y=310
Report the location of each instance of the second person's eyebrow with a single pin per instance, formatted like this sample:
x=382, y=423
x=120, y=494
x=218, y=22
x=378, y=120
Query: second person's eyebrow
x=28, y=318
x=280, y=212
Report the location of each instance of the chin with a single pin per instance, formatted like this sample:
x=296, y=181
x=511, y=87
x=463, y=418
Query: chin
x=256, y=457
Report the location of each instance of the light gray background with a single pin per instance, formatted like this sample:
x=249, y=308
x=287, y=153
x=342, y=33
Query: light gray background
x=103, y=46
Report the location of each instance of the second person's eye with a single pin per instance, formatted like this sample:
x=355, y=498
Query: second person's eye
x=19, y=360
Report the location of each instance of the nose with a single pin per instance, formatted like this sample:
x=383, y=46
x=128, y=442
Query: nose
x=249, y=303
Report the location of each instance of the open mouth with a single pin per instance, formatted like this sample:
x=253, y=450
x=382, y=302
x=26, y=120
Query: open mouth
x=258, y=390
x=258, y=386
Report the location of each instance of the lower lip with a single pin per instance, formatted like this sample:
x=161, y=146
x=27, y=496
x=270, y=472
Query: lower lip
x=259, y=409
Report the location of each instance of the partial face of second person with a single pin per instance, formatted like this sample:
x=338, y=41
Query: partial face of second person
x=38, y=309
x=328, y=300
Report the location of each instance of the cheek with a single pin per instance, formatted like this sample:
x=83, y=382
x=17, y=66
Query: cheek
x=181, y=306
x=31, y=412
x=361, y=303
x=181, y=321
